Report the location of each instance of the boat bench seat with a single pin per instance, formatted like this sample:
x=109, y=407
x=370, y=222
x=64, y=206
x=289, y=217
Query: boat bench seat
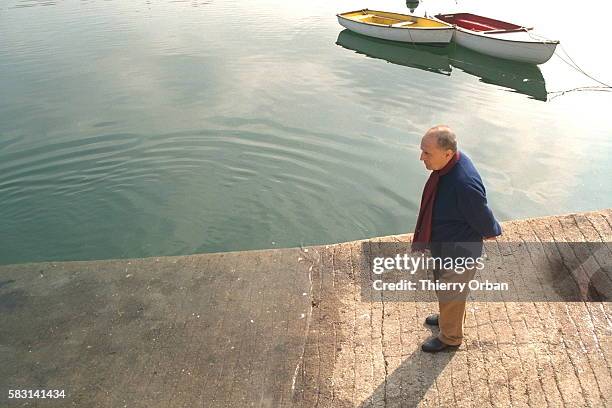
x=402, y=24
x=512, y=30
x=474, y=26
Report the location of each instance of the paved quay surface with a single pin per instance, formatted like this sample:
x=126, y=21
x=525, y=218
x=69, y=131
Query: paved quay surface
x=302, y=327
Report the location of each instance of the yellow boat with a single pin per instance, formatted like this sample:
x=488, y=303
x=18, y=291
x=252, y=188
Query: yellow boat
x=397, y=27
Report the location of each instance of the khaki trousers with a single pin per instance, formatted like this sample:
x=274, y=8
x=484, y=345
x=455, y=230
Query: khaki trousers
x=452, y=305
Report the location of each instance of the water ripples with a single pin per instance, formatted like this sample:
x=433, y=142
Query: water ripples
x=264, y=176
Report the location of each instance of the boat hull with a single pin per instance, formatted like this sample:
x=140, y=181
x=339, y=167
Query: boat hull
x=522, y=51
x=435, y=36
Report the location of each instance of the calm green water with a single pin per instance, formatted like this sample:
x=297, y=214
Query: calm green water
x=146, y=128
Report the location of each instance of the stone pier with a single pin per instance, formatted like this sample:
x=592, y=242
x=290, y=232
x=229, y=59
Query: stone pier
x=301, y=327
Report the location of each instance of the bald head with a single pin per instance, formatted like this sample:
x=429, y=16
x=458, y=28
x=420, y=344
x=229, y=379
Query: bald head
x=444, y=137
x=438, y=146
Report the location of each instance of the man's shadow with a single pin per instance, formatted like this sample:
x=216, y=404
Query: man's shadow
x=408, y=384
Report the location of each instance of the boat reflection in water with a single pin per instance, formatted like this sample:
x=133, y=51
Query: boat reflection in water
x=427, y=58
x=518, y=77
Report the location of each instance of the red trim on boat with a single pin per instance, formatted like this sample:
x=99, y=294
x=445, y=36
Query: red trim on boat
x=476, y=23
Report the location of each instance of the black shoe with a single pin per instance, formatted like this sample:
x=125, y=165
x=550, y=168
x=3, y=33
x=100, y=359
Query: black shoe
x=432, y=320
x=434, y=345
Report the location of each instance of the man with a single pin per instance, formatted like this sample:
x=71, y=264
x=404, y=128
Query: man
x=453, y=220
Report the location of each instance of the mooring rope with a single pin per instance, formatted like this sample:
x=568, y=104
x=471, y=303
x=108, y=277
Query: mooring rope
x=556, y=94
x=577, y=67
x=572, y=64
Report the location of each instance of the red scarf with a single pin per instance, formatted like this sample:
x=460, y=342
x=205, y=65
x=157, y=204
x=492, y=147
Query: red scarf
x=422, y=231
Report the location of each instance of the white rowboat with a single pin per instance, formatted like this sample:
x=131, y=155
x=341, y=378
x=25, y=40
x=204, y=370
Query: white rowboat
x=499, y=38
x=397, y=27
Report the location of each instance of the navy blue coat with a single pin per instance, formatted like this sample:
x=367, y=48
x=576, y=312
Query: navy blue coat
x=460, y=212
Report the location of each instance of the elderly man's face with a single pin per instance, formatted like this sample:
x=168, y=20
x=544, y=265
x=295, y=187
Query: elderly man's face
x=431, y=154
